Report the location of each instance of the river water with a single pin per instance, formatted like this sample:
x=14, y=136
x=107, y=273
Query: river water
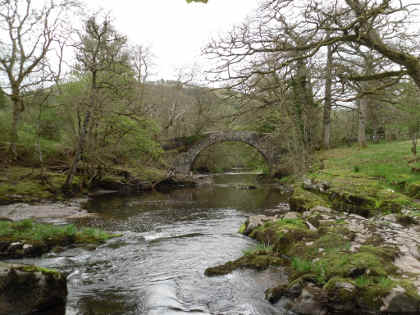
x=157, y=266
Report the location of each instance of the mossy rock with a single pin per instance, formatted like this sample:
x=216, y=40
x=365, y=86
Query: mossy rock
x=355, y=264
x=273, y=295
x=355, y=194
x=414, y=190
x=25, y=289
x=341, y=292
x=302, y=200
x=370, y=297
x=22, y=184
x=40, y=238
x=251, y=261
x=282, y=234
x=242, y=228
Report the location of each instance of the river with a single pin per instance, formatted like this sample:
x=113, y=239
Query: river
x=169, y=239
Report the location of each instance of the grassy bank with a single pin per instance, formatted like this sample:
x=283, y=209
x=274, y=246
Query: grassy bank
x=371, y=181
x=28, y=184
x=29, y=238
x=390, y=164
x=25, y=184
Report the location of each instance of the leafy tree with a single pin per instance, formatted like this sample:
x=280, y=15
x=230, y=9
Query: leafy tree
x=27, y=35
x=100, y=54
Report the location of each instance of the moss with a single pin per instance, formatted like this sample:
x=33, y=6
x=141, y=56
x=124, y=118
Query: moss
x=328, y=256
x=252, y=261
x=52, y=272
x=413, y=190
x=282, y=234
x=25, y=190
x=355, y=264
x=410, y=289
x=340, y=290
x=353, y=203
x=349, y=192
x=149, y=174
x=260, y=249
x=26, y=184
x=372, y=292
x=328, y=242
x=387, y=253
x=242, y=228
x=303, y=200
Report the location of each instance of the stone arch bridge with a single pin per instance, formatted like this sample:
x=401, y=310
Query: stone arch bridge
x=262, y=142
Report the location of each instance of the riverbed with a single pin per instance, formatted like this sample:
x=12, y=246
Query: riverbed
x=169, y=239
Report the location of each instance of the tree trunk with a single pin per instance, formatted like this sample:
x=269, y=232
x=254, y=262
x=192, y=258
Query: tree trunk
x=414, y=143
x=18, y=108
x=79, y=151
x=362, y=122
x=82, y=136
x=326, y=123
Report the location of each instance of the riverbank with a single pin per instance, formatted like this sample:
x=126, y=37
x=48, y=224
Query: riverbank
x=20, y=184
x=350, y=243
x=27, y=238
x=31, y=184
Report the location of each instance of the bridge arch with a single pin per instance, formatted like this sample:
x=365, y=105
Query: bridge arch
x=261, y=142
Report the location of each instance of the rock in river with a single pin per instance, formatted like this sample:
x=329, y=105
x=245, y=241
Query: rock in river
x=25, y=289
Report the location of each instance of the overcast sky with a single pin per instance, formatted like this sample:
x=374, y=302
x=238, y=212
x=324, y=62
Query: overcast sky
x=175, y=30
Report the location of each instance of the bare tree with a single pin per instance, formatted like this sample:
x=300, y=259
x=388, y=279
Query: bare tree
x=27, y=35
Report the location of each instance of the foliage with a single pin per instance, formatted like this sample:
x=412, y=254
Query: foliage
x=3, y=100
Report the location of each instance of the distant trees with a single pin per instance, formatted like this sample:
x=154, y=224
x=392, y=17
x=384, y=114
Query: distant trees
x=27, y=36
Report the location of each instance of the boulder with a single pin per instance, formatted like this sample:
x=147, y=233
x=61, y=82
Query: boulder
x=255, y=221
x=292, y=215
x=309, y=302
x=309, y=184
x=399, y=301
x=392, y=217
x=321, y=209
x=26, y=289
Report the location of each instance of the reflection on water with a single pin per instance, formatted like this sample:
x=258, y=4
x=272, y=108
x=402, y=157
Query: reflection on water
x=157, y=267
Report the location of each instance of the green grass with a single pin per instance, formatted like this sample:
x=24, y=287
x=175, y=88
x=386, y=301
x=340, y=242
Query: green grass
x=260, y=248
x=32, y=232
x=368, y=182
x=388, y=162
x=302, y=265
